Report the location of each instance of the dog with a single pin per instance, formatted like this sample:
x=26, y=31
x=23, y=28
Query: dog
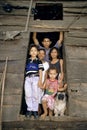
x=60, y=104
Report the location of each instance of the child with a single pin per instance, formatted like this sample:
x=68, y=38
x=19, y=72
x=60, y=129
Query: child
x=41, y=56
x=51, y=86
x=46, y=43
x=55, y=61
x=33, y=79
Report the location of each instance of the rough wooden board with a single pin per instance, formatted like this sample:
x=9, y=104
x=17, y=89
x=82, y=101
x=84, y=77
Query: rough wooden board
x=61, y=23
x=77, y=69
x=16, y=49
x=16, y=44
x=21, y=21
x=65, y=3
x=14, y=66
x=13, y=55
x=75, y=41
x=67, y=9
x=12, y=28
x=19, y=3
x=80, y=22
x=11, y=112
x=53, y=125
x=78, y=91
x=12, y=99
x=77, y=107
x=76, y=52
x=77, y=34
x=14, y=82
x=10, y=20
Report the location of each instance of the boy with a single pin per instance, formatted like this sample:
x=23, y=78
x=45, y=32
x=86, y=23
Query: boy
x=33, y=79
x=46, y=43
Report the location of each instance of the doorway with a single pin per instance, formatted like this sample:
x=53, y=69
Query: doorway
x=53, y=36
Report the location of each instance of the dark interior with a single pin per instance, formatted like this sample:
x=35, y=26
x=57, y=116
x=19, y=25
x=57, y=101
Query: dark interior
x=49, y=11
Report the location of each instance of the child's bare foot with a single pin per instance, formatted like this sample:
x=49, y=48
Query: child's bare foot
x=50, y=114
x=43, y=116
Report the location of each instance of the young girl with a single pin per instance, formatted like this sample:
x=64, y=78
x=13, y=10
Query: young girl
x=55, y=61
x=33, y=80
x=51, y=87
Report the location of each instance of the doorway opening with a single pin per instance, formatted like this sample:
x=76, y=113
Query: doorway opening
x=48, y=11
x=53, y=36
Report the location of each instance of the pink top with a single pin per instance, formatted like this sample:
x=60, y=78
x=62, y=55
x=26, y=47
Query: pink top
x=51, y=87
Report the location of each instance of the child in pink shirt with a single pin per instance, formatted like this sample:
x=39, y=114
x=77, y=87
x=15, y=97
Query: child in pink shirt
x=51, y=87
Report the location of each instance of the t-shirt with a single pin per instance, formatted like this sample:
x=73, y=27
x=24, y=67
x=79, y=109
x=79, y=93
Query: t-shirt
x=52, y=87
x=46, y=67
x=33, y=66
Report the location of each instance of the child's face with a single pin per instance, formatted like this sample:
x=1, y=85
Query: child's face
x=46, y=42
x=52, y=74
x=54, y=54
x=33, y=52
x=41, y=55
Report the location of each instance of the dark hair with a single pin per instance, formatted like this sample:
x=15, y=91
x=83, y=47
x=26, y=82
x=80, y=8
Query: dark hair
x=32, y=45
x=42, y=49
x=46, y=38
x=54, y=48
x=53, y=68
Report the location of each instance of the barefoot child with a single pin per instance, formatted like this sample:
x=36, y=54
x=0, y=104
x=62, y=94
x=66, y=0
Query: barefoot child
x=50, y=86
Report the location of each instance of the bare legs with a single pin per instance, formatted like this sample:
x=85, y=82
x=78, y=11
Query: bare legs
x=45, y=108
x=44, y=104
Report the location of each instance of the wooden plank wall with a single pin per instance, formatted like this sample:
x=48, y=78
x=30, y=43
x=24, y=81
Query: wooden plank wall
x=76, y=67
x=75, y=14
x=74, y=24
x=16, y=50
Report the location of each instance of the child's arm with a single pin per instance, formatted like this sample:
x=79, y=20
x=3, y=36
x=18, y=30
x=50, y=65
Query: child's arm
x=44, y=85
x=60, y=39
x=62, y=88
x=36, y=42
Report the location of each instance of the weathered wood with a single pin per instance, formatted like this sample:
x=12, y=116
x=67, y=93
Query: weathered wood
x=65, y=3
x=76, y=41
x=14, y=66
x=13, y=55
x=12, y=99
x=36, y=125
x=71, y=23
x=14, y=84
x=76, y=52
x=11, y=112
x=77, y=34
x=15, y=51
x=77, y=70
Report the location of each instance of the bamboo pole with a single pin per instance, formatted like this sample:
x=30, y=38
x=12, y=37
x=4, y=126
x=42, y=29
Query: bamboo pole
x=28, y=16
x=2, y=91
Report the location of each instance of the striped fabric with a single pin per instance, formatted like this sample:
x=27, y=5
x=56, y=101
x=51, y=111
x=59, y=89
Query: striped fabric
x=33, y=66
